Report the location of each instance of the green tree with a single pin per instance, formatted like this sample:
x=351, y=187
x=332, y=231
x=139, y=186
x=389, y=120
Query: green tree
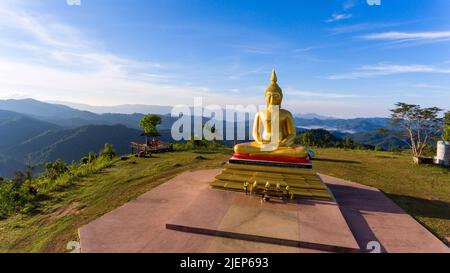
x=149, y=124
x=420, y=124
x=446, y=129
x=307, y=138
x=382, y=131
x=348, y=143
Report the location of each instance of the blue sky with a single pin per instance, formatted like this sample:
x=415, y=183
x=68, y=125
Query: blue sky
x=339, y=58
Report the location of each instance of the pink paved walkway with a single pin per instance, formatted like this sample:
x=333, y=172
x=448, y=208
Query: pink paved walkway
x=374, y=217
x=139, y=226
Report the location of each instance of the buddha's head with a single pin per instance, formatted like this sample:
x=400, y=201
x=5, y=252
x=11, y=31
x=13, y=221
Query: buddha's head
x=274, y=95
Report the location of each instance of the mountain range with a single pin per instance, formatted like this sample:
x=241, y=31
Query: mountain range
x=34, y=132
x=123, y=109
x=345, y=125
x=154, y=109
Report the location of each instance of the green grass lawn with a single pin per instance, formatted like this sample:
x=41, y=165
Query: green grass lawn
x=63, y=212
x=423, y=191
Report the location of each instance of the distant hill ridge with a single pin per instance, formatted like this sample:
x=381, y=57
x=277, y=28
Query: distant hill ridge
x=73, y=143
x=16, y=128
x=33, y=132
x=66, y=116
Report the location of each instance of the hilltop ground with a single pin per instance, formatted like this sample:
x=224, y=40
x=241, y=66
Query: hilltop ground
x=423, y=191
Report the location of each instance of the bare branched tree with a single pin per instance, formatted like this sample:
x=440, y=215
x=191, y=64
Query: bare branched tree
x=421, y=124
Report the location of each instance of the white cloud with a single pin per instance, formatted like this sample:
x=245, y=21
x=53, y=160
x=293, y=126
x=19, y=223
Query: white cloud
x=319, y=94
x=348, y=4
x=246, y=73
x=337, y=108
x=351, y=28
x=369, y=71
x=408, y=36
x=45, y=59
x=421, y=86
x=305, y=49
x=338, y=17
x=5, y=95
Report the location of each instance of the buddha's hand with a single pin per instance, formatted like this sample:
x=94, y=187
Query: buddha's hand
x=269, y=147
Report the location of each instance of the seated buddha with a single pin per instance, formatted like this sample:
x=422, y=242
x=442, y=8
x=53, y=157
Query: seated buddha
x=273, y=142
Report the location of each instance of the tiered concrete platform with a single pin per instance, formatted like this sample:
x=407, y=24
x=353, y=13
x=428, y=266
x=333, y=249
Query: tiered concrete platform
x=302, y=226
x=285, y=182
x=186, y=215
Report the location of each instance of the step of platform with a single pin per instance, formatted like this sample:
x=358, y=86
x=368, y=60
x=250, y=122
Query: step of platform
x=288, y=183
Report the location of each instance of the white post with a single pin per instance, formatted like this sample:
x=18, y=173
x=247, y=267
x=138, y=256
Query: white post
x=443, y=153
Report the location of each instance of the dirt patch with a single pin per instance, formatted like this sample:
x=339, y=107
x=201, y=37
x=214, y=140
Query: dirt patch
x=72, y=208
x=201, y=158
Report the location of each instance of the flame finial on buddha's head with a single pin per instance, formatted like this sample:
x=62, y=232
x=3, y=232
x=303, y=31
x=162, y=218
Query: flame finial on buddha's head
x=274, y=89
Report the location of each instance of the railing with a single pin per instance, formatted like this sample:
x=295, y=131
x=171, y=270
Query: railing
x=137, y=148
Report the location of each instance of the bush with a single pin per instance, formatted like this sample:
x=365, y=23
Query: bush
x=446, y=134
x=108, y=151
x=84, y=160
x=91, y=157
x=379, y=148
x=396, y=149
x=446, y=129
x=198, y=145
x=20, y=194
x=16, y=198
x=53, y=170
x=324, y=139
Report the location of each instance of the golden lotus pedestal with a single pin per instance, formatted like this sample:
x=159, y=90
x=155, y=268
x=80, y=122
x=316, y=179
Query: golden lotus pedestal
x=272, y=181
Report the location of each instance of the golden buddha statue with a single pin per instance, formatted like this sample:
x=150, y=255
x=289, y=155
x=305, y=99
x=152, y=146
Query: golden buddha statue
x=272, y=166
x=276, y=141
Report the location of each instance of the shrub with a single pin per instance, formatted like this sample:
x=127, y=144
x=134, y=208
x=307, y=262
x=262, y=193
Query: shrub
x=91, y=157
x=20, y=195
x=379, y=148
x=446, y=129
x=348, y=143
x=19, y=178
x=396, y=149
x=84, y=160
x=53, y=170
x=108, y=151
x=198, y=145
x=16, y=198
x=446, y=134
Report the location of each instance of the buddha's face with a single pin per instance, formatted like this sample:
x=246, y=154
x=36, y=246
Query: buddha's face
x=273, y=98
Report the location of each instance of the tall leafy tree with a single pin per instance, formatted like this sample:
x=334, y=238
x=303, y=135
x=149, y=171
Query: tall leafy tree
x=420, y=124
x=149, y=124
